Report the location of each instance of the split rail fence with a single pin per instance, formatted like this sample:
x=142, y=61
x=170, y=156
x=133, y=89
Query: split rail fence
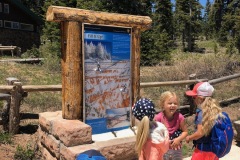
x=14, y=92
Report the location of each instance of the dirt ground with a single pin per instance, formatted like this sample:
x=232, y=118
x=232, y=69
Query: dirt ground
x=28, y=134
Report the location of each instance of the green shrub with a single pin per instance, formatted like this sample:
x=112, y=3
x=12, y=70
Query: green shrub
x=5, y=138
x=52, y=56
x=24, y=153
x=32, y=53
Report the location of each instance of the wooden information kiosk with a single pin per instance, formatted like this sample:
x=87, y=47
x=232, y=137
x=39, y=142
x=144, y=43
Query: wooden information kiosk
x=71, y=20
x=100, y=82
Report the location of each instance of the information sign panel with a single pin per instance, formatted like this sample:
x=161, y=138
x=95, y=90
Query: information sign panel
x=107, y=77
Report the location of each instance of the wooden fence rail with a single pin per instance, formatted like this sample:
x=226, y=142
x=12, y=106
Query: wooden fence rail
x=170, y=83
x=28, y=60
x=17, y=92
x=38, y=88
x=223, y=79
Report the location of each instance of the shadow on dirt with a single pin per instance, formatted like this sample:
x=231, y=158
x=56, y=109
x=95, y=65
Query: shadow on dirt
x=28, y=129
x=29, y=116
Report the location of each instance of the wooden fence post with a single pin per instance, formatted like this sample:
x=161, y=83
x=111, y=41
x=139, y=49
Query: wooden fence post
x=190, y=99
x=6, y=107
x=14, y=116
x=5, y=112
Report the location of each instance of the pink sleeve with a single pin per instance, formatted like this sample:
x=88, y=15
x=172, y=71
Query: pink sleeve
x=158, y=117
x=181, y=117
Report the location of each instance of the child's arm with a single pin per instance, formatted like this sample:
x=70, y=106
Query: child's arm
x=195, y=136
x=176, y=142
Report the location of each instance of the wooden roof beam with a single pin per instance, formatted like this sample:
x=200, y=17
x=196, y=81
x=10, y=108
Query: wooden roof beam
x=59, y=13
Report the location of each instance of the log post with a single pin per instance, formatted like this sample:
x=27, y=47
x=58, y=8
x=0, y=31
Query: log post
x=135, y=68
x=6, y=107
x=72, y=72
x=14, y=116
x=192, y=108
x=5, y=113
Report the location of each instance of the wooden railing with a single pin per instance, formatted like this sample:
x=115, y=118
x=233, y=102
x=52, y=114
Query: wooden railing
x=170, y=83
x=28, y=60
x=15, y=92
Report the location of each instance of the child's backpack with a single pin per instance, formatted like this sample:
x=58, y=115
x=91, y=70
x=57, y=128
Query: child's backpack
x=222, y=136
x=90, y=155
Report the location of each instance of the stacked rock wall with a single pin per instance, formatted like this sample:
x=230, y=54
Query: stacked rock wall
x=61, y=139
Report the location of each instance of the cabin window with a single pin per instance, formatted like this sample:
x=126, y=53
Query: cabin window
x=15, y=25
x=0, y=7
x=7, y=24
x=26, y=27
x=6, y=8
x=1, y=23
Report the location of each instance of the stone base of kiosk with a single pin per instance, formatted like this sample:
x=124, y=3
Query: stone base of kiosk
x=61, y=139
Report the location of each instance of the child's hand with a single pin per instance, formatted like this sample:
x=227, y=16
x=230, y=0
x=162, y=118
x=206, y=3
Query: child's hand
x=175, y=144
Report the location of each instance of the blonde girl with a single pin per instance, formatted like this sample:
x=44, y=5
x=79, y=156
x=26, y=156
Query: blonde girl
x=175, y=123
x=152, y=139
x=207, y=112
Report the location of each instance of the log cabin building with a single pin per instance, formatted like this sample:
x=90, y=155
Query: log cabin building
x=19, y=26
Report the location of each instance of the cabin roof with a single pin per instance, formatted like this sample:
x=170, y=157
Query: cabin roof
x=19, y=4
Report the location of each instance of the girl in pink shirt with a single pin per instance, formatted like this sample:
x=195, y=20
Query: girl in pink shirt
x=174, y=121
x=152, y=139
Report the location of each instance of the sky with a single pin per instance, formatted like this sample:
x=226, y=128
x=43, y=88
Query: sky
x=203, y=2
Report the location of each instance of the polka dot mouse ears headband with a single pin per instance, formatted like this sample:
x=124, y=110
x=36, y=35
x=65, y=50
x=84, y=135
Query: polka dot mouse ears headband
x=144, y=107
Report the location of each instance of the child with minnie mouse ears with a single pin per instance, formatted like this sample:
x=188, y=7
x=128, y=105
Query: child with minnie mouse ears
x=152, y=139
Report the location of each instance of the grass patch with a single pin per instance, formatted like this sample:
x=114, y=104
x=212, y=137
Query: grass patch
x=187, y=150
x=29, y=74
x=206, y=44
x=43, y=101
x=24, y=153
x=5, y=138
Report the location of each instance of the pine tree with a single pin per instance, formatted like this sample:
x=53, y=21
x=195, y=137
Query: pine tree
x=217, y=12
x=215, y=16
x=161, y=33
x=207, y=30
x=187, y=20
x=95, y=5
x=231, y=23
x=134, y=7
x=34, y=6
x=51, y=30
x=236, y=30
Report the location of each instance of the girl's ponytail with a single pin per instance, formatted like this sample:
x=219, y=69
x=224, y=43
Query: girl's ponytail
x=142, y=133
x=144, y=111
